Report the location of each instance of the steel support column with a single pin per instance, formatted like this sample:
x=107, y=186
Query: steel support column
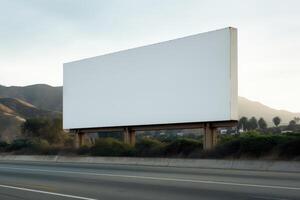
x=210, y=137
x=129, y=136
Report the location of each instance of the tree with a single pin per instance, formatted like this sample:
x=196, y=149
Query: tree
x=276, y=121
x=262, y=124
x=34, y=127
x=297, y=119
x=43, y=128
x=292, y=125
x=243, y=122
x=252, y=123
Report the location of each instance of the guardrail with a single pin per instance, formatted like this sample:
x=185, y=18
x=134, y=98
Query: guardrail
x=260, y=165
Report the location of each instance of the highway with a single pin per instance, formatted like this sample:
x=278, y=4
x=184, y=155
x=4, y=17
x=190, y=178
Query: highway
x=42, y=180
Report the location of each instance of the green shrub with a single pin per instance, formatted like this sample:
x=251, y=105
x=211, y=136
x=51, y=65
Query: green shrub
x=69, y=141
x=183, y=147
x=250, y=134
x=111, y=147
x=256, y=146
x=149, y=148
x=83, y=150
x=18, y=145
x=34, y=146
x=3, y=145
x=229, y=148
x=39, y=146
x=49, y=129
x=290, y=149
x=249, y=145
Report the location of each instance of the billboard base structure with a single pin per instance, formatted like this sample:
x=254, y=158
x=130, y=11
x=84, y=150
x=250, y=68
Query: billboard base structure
x=210, y=137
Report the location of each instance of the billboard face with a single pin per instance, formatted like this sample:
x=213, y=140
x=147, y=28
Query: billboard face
x=191, y=79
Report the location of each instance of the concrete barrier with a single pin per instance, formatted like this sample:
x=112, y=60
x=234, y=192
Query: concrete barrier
x=260, y=165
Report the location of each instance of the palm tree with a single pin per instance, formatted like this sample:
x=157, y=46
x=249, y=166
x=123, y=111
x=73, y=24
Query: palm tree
x=252, y=123
x=262, y=124
x=243, y=123
x=292, y=125
x=297, y=119
x=276, y=121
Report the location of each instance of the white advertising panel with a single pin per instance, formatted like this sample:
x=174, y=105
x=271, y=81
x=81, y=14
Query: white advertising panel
x=191, y=79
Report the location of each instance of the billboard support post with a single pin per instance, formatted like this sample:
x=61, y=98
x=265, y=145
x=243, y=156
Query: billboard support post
x=210, y=137
x=129, y=136
x=79, y=139
x=132, y=138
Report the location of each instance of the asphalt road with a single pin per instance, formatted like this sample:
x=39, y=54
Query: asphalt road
x=28, y=180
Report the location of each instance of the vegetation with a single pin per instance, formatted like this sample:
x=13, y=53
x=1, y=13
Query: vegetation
x=276, y=121
x=262, y=124
x=150, y=148
x=47, y=129
x=243, y=123
x=183, y=148
x=292, y=125
x=111, y=147
x=256, y=145
x=249, y=145
x=252, y=123
x=45, y=136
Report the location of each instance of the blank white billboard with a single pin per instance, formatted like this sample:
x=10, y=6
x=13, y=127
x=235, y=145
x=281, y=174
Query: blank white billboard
x=191, y=79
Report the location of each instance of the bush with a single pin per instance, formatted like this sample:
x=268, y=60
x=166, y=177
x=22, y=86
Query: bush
x=290, y=149
x=3, y=145
x=49, y=129
x=18, y=145
x=39, y=146
x=229, y=148
x=32, y=146
x=149, y=148
x=183, y=147
x=111, y=147
x=84, y=150
x=246, y=145
x=251, y=145
x=256, y=146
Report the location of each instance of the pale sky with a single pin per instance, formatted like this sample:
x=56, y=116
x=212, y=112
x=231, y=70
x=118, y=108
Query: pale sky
x=38, y=36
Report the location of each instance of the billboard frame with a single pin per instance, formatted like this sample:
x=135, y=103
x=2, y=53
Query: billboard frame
x=210, y=127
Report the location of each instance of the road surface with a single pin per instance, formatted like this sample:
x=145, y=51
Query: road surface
x=41, y=180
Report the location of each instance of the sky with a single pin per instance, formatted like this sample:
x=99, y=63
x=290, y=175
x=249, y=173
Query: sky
x=38, y=36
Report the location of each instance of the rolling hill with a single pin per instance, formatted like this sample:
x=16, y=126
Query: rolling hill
x=13, y=112
x=42, y=96
x=24, y=109
x=252, y=108
x=9, y=126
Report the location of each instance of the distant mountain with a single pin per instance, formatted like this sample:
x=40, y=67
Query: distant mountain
x=42, y=96
x=249, y=108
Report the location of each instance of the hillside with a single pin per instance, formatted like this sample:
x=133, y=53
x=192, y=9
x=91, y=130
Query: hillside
x=23, y=109
x=13, y=112
x=9, y=126
x=252, y=108
x=42, y=96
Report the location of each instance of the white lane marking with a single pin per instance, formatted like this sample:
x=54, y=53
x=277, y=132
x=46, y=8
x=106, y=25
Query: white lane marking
x=268, y=198
x=45, y=192
x=157, y=178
